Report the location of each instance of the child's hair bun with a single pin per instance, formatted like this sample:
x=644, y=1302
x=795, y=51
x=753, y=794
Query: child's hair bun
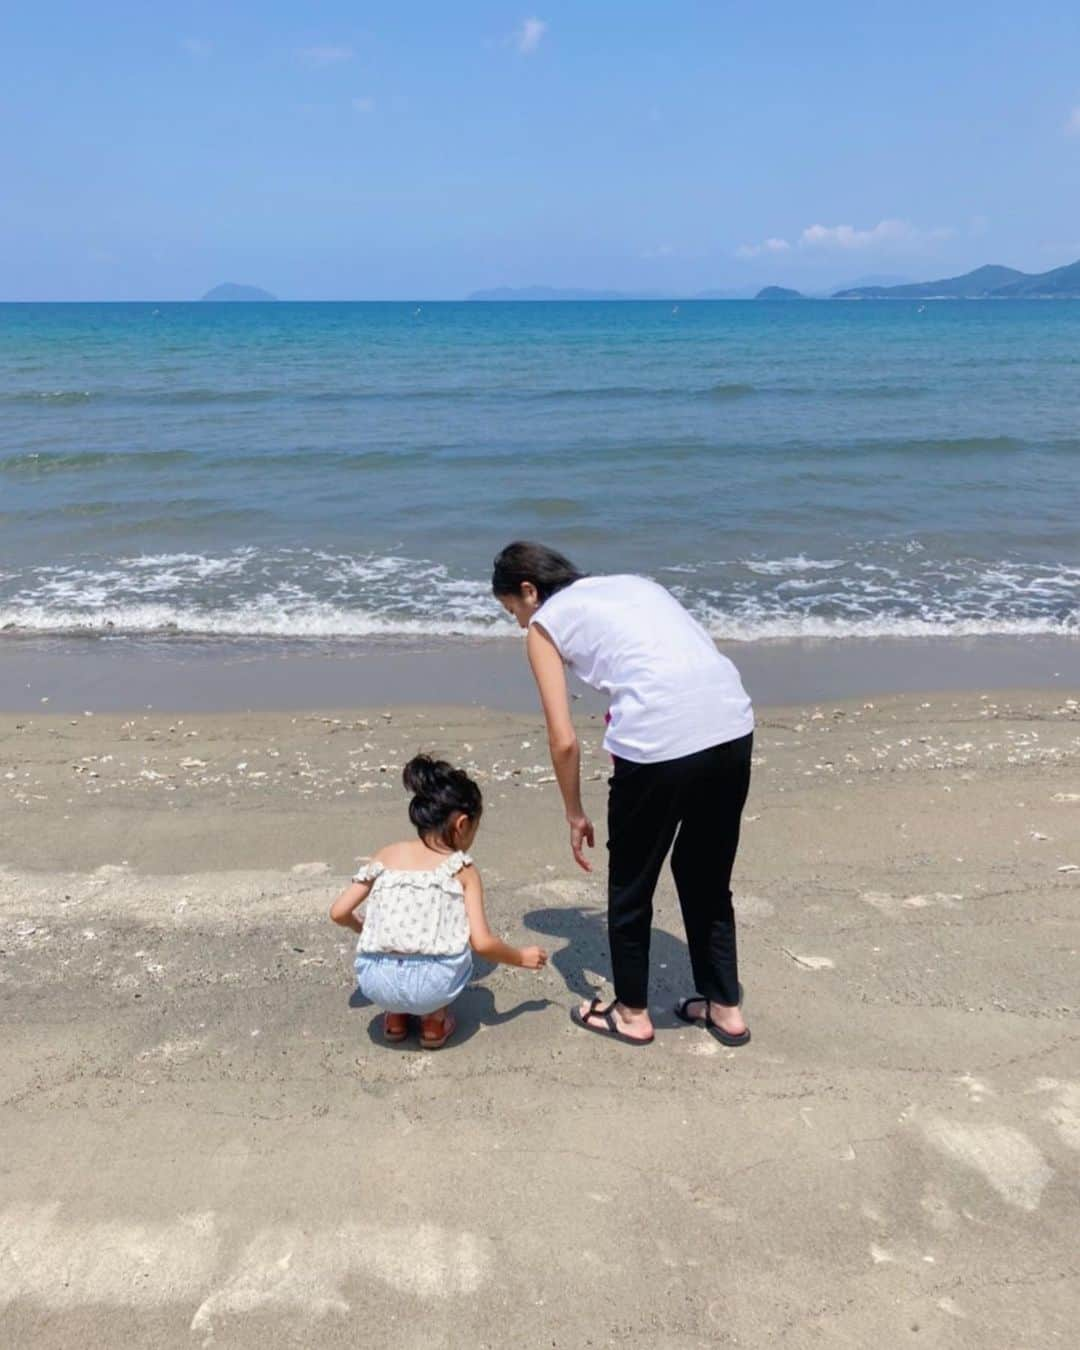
x=422, y=775
x=439, y=792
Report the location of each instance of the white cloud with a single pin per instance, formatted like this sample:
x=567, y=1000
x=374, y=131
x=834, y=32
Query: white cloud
x=327, y=55
x=885, y=235
x=1072, y=126
x=769, y=246
x=365, y=104
x=196, y=47
x=885, y=232
x=529, y=35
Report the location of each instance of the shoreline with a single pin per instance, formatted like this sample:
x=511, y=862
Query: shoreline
x=185, y=675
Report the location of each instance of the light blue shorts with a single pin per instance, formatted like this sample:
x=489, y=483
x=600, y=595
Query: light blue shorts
x=412, y=984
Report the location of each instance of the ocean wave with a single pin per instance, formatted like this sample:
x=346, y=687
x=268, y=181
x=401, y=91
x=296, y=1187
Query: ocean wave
x=740, y=628
x=953, y=445
x=547, y=508
x=873, y=391
x=249, y=592
x=877, y=591
x=54, y=397
x=40, y=462
x=725, y=391
x=327, y=622
x=255, y=619
x=198, y=511
x=778, y=567
x=476, y=391
x=208, y=395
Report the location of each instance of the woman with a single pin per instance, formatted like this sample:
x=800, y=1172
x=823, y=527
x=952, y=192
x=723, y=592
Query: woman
x=680, y=731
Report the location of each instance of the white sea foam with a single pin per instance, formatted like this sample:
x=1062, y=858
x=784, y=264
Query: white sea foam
x=733, y=628
x=252, y=620
x=248, y=593
x=779, y=567
x=269, y=617
x=304, y=593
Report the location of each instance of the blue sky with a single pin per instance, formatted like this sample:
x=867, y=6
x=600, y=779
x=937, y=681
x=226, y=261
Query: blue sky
x=333, y=150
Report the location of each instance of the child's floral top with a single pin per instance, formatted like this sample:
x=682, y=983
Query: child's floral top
x=415, y=913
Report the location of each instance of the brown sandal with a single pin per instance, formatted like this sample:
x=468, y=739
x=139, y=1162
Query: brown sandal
x=434, y=1034
x=395, y=1026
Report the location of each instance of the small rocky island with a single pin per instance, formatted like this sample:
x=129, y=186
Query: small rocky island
x=779, y=293
x=230, y=291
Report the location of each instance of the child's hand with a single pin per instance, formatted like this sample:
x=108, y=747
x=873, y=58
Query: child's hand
x=533, y=958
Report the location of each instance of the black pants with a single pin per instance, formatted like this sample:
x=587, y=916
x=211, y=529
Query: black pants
x=697, y=801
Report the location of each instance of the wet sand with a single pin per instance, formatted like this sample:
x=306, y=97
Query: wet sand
x=206, y=1143
x=63, y=674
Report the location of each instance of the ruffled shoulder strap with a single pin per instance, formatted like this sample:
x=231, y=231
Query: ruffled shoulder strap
x=369, y=871
x=453, y=865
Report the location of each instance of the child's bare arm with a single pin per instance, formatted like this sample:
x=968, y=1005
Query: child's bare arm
x=343, y=909
x=482, y=940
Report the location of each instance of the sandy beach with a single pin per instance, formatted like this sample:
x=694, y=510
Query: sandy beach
x=207, y=1144
x=363, y=375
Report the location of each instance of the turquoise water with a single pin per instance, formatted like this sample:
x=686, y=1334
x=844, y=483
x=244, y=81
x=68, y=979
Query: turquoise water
x=335, y=470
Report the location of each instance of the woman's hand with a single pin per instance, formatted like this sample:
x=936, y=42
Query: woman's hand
x=533, y=958
x=581, y=833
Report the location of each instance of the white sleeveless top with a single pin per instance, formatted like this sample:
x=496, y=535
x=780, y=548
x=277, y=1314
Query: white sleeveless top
x=671, y=691
x=415, y=913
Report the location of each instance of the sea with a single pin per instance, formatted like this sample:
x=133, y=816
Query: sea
x=337, y=471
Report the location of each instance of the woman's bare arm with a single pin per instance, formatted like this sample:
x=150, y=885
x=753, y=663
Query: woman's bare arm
x=550, y=675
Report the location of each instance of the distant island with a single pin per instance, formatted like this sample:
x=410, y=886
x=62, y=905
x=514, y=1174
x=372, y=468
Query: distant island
x=231, y=291
x=992, y=282
x=985, y=283
x=532, y=293
x=779, y=293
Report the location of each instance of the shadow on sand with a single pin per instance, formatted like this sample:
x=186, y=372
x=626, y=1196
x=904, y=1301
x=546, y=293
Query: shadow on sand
x=473, y=1010
x=585, y=952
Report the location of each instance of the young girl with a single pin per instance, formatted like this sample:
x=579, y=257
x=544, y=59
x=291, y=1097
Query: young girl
x=425, y=909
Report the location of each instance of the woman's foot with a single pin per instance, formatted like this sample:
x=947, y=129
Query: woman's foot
x=436, y=1029
x=395, y=1026
x=725, y=1018
x=633, y=1023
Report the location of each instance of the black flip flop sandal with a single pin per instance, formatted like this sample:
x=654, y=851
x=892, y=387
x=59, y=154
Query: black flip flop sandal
x=724, y=1037
x=683, y=1003
x=580, y=1019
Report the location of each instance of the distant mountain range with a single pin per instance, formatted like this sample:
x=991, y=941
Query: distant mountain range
x=992, y=282
x=573, y=293
x=985, y=283
x=229, y=290
x=868, y=279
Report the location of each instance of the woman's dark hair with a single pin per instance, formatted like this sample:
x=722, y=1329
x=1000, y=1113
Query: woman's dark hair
x=519, y=562
x=439, y=792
